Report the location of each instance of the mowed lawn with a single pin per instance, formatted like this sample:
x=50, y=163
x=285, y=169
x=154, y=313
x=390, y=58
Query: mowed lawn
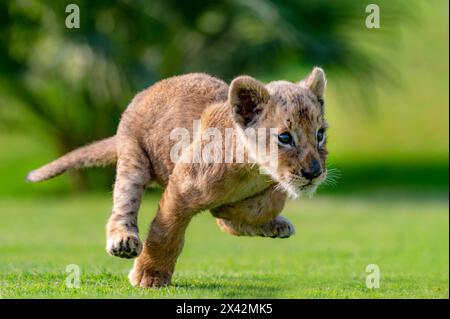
x=337, y=237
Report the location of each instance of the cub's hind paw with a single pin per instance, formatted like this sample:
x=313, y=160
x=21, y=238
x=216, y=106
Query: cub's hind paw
x=124, y=245
x=280, y=227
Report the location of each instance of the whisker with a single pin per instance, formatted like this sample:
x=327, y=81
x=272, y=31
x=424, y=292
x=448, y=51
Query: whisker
x=333, y=175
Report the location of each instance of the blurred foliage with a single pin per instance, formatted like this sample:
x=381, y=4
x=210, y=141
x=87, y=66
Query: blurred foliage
x=73, y=84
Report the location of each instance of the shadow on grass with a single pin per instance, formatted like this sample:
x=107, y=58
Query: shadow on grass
x=235, y=286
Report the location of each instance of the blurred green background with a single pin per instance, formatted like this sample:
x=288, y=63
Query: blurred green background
x=387, y=103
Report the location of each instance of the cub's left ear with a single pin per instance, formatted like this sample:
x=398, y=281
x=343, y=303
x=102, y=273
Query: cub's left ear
x=316, y=82
x=247, y=97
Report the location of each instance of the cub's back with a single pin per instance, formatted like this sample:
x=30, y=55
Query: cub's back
x=171, y=103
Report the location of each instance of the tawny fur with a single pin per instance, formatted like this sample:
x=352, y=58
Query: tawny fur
x=244, y=201
x=100, y=153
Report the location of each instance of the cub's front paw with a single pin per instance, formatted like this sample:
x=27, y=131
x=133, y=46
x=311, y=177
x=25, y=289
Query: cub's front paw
x=124, y=244
x=148, y=278
x=280, y=227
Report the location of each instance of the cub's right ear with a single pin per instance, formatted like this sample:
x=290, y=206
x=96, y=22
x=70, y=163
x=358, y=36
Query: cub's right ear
x=247, y=97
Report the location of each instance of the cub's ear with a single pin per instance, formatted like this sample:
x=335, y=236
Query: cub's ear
x=316, y=82
x=247, y=97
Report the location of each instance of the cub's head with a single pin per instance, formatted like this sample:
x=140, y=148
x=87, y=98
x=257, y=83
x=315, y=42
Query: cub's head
x=296, y=111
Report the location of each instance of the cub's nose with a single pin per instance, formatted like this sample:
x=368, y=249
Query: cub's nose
x=313, y=171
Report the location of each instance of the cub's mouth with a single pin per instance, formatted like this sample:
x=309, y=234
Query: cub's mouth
x=312, y=184
x=298, y=185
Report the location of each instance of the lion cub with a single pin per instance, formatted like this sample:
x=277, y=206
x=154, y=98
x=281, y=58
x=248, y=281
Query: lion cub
x=242, y=199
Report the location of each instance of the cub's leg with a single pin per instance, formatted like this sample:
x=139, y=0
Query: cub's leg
x=256, y=216
x=279, y=227
x=132, y=175
x=155, y=265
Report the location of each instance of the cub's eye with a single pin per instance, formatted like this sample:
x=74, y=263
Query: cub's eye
x=285, y=138
x=320, y=136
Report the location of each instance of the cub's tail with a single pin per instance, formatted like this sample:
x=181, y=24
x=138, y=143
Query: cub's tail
x=100, y=153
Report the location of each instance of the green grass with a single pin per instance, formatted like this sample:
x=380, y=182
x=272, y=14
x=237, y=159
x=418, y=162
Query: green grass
x=337, y=237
